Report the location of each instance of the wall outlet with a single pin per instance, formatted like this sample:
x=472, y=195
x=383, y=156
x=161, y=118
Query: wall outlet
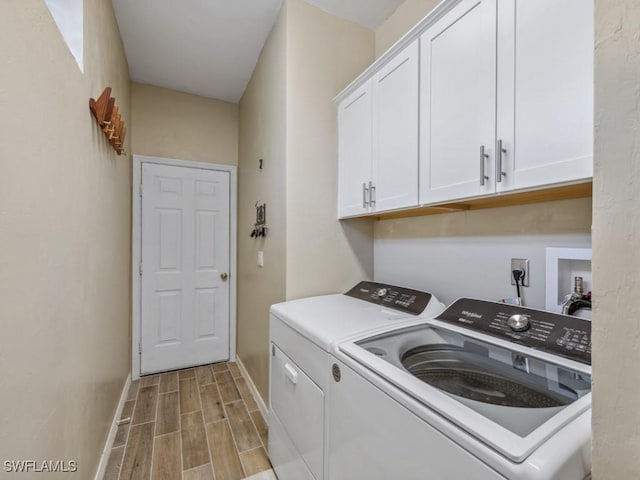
x=522, y=263
x=260, y=258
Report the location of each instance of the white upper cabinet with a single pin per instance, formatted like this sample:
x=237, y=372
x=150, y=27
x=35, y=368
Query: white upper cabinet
x=395, y=132
x=545, y=91
x=354, y=152
x=481, y=97
x=458, y=103
x=378, y=139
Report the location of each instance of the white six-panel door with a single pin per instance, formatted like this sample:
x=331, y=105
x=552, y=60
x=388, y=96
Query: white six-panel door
x=185, y=265
x=458, y=103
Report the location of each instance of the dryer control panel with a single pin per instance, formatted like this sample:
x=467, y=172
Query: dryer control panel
x=562, y=335
x=404, y=299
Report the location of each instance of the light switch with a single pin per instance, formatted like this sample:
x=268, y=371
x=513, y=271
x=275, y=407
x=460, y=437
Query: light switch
x=260, y=258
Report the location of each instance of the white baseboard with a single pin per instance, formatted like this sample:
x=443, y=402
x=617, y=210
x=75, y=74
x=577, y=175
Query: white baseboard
x=102, y=465
x=262, y=406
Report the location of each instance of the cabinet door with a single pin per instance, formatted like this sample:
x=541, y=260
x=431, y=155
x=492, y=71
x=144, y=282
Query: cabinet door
x=545, y=91
x=395, y=132
x=458, y=103
x=354, y=152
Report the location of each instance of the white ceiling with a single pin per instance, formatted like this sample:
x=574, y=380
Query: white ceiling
x=210, y=47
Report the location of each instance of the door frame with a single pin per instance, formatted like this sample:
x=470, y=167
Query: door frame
x=136, y=249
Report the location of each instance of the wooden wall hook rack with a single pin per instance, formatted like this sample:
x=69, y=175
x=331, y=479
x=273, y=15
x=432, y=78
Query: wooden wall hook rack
x=105, y=110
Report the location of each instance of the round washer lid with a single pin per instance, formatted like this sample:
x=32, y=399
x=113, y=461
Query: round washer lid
x=479, y=378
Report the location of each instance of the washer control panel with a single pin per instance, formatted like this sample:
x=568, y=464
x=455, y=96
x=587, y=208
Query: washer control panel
x=563, y=335
x=404, y=299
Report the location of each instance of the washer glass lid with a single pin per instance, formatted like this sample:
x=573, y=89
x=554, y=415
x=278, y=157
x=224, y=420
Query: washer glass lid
x=517, y=391
x=477, y=377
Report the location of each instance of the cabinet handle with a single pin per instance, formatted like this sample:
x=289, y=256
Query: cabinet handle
x=483, y=157
x=291, y=373
x=372, y=194
x=365, y=191
x=499, y=173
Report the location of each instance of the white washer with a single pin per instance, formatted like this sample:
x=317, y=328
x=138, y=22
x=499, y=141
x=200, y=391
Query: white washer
x=302, y=333
x=483, y=391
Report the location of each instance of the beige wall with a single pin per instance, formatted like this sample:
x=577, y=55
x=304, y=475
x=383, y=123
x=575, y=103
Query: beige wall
x=287, y=117
x=262, y=135
x=616, y=236
x=403, y=19
x=171, y=124
x=324, y=54
x=65, y=235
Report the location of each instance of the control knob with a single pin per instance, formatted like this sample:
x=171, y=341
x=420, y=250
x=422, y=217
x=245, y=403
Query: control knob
x=381, y=292
x=518, y=323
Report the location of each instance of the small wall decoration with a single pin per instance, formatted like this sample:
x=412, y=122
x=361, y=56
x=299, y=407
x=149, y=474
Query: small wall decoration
x=106, y=112
x=260, y=228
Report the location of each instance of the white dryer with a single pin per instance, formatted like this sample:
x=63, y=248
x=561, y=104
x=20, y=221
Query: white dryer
x=302, y=333
x=485, y=391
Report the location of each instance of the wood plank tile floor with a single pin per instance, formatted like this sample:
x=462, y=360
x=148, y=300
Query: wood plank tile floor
x=200, y=423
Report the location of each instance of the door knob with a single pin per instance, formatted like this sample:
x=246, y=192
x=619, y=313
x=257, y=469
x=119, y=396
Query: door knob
x=224, y=276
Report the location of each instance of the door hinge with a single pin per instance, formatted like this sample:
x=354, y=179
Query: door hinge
x=140, y=189
x=140, y=348
x=273, y=350
x=140, y=268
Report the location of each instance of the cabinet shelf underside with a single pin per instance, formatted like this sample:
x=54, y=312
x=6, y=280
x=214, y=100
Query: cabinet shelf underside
x=564, y=192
